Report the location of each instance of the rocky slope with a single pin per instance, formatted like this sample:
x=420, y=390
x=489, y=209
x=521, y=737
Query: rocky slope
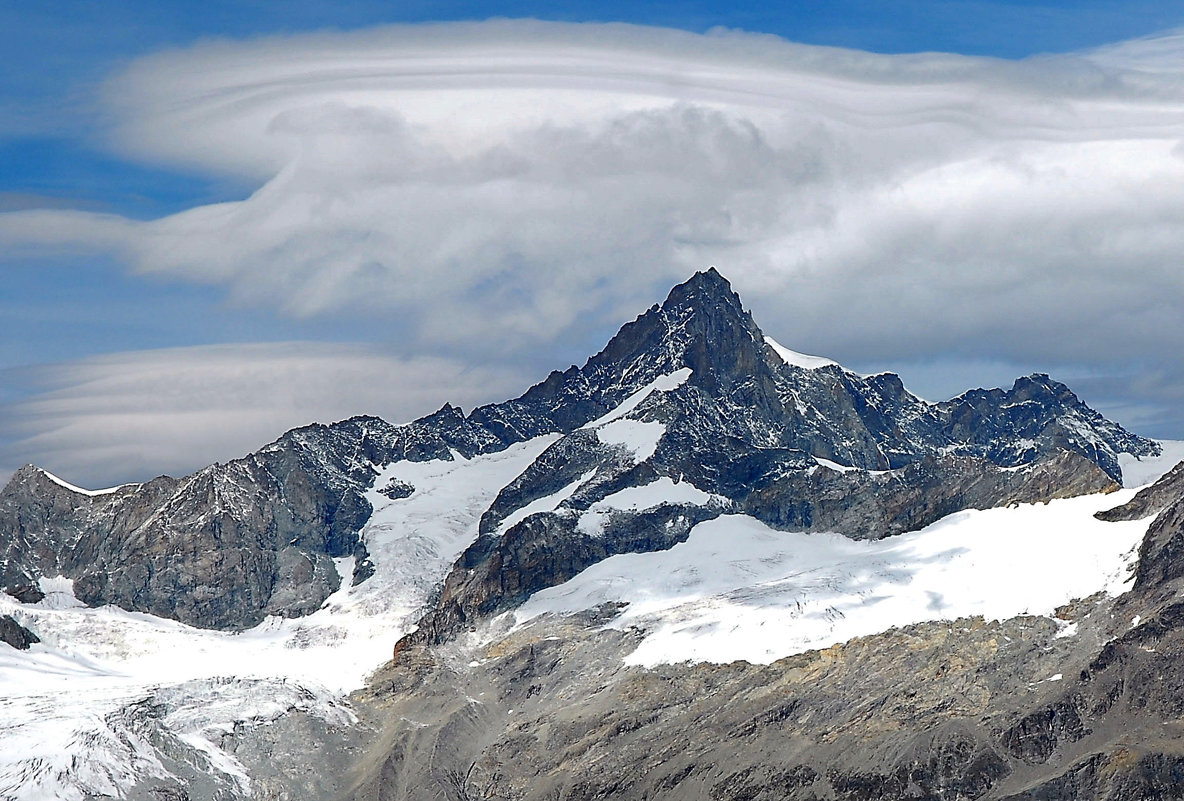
x=15, y=635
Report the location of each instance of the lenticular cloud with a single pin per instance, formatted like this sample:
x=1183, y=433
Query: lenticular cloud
x=514, y=177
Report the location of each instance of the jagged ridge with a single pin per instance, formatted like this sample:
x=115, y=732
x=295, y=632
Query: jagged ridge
x=256, y=536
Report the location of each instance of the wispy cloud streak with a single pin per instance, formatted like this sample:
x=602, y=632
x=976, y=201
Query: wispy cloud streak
x=130, y=416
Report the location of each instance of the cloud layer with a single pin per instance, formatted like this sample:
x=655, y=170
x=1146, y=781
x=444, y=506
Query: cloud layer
x=496, y=181
x=129, y=416
x=496, y=186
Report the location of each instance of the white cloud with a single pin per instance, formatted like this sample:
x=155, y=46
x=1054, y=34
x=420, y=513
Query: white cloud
x=130, y=416
x=497, y=184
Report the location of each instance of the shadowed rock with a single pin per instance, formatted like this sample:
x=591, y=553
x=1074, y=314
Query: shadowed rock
x=15, y=634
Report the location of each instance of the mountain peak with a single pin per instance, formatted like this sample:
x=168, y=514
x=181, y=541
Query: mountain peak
x=701, y=324
x=704, y=288
x=710, y=277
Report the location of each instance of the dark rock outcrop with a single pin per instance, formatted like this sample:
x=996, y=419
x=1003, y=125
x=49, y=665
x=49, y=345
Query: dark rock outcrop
x=865, y=505
x=1161, y=553
x=1150, y=500
x=16, y=635
x=26, y=593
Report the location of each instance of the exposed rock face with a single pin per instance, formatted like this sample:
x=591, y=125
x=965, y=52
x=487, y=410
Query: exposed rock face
x=551, y=712
x=1150, y=500
x=213, y=549
x=1161, y=555
x=15, y=634
x=231, y=543
x=866, y=505
x=256, y=536
x=26, y=593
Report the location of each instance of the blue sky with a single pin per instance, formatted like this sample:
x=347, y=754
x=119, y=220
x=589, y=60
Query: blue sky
x=62, y=148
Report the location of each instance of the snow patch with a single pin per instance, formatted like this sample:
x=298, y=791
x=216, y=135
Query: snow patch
x=345, y=568
x=648, y=496
x=91, y=493
x=829, y=465
x=59, y=593
x=657, y=492
x=795, y=359
x=664, y=383
x=639, y=437
x=842, y=468
x=546, y=504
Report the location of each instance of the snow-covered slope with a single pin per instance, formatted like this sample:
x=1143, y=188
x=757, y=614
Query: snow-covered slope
x=795, y=359
x=61, y=482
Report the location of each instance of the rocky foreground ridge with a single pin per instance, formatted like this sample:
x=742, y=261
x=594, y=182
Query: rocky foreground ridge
x=710, y=401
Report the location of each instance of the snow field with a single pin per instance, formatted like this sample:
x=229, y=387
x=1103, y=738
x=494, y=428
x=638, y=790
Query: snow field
x=737, y=589
x=665, y=383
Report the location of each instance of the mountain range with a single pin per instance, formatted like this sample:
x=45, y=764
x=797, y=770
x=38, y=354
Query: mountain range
x=701, y=565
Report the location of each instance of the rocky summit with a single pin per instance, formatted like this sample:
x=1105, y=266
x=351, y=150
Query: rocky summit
x=500, y=556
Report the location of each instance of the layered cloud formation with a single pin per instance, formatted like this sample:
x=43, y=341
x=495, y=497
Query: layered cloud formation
x=497, y=185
